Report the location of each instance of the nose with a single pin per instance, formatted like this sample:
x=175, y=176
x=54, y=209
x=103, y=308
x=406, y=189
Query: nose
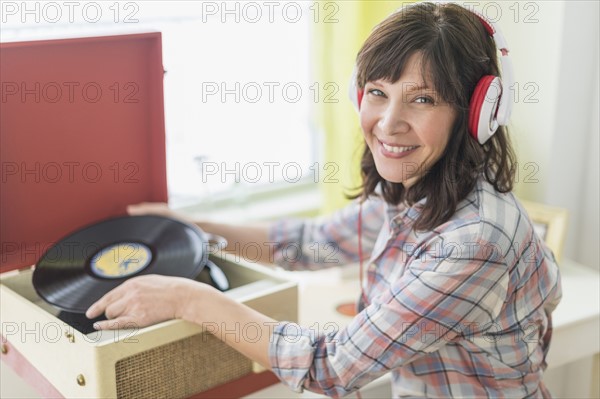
x=393, y=119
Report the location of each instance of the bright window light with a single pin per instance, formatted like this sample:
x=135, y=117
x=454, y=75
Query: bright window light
x=238, y=88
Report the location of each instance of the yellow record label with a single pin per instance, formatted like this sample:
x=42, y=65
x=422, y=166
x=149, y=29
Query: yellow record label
x=121, y=260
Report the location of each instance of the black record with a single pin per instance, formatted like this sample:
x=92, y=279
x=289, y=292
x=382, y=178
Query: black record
x=82, y=267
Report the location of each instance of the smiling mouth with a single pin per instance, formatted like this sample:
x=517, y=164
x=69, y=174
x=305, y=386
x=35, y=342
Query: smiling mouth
x=396, y=149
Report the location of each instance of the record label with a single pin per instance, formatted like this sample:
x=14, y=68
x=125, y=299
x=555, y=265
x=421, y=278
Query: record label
x=121, y=260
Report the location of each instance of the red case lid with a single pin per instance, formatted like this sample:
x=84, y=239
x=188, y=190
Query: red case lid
x=82, y=135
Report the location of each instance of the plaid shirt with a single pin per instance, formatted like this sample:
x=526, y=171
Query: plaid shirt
x=459, y=311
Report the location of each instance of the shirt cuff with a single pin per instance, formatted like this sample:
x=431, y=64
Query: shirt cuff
x=286, y=237
x=291, y=353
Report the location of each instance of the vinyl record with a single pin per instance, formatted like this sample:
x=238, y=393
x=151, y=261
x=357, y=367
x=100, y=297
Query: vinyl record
x=79, y=321
x=81, y=268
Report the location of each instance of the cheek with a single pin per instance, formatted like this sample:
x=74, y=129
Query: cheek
x=363, y=123
x=435, y=147
x=445, y=138
x=367, y=122
x=437, y=141
x=438, y=135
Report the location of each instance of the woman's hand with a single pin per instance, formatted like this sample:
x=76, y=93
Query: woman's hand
x=145, y=300
x=149, y=299
x=154, y=208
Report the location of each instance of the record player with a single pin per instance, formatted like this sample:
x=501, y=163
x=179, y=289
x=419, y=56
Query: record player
x=81, y=137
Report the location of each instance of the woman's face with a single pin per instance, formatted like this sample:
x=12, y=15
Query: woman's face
x=406, y=124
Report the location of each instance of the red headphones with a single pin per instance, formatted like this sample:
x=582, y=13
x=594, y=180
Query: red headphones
x=492, y=99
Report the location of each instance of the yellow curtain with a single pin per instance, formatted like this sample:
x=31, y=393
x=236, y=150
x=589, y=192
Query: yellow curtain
x=340, y=29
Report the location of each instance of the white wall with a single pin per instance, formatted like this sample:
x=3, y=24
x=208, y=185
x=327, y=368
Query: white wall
x=554, y=48
x=560, y=134
x=573, y=165
x=587, y=242
x=534, y=37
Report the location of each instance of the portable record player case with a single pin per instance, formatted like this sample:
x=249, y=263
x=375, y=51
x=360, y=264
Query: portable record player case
x=72, y=159
x=174, y=359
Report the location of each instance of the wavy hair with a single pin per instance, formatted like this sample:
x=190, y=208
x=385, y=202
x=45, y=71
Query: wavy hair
x=456, y=51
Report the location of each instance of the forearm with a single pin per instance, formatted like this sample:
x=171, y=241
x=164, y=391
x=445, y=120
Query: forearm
x=244, y=329
x=238, y=237
x=149, y=299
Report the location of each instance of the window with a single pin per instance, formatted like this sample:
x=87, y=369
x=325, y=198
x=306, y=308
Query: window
x=238, y=89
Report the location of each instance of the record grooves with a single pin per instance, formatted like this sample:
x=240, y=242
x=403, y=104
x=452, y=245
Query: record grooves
x=82, y=267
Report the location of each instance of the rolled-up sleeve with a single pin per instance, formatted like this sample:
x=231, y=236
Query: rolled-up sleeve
x=431, y=303
x=301, y=244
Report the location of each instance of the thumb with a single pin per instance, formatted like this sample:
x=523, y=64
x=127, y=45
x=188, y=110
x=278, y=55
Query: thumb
x=120, y=323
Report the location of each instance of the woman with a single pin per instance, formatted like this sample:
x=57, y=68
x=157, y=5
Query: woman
x=459, y=289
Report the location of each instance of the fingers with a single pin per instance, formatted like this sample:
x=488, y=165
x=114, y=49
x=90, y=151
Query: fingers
x=116, y=309
x=140, y=301
x=95, y=310
x=156, y=208
x=137, y=209
x=101, y=304
x=148, y=208
x=120, y=323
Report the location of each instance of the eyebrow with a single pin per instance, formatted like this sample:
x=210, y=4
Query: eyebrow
x=410, y=86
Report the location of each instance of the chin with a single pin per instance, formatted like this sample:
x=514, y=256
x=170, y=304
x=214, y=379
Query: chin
x=392, y=173
x=391, y=176
x=392, y=179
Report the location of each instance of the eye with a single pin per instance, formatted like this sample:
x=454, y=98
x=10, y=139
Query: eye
x=376, y=92
x=424, y=100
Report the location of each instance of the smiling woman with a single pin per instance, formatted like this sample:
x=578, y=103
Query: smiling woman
x=456, y=275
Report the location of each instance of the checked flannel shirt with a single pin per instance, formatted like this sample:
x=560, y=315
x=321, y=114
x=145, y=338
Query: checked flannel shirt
x=460, y=311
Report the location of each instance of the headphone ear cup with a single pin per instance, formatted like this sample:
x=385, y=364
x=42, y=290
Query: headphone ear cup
x=483, y=107
x=353, y=91
x=359, y=97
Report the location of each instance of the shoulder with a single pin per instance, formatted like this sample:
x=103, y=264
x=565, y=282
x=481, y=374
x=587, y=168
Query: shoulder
x=500, y=214
x=487, y=221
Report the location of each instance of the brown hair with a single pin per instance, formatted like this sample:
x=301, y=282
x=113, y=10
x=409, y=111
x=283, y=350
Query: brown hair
x=456, y=52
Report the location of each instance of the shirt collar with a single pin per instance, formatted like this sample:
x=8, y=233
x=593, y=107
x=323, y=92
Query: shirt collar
x=403, y=215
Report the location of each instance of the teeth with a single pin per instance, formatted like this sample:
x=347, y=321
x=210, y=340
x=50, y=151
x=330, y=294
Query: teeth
x=398, y=149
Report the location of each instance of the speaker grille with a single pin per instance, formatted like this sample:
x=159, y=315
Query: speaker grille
x=179, y=369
